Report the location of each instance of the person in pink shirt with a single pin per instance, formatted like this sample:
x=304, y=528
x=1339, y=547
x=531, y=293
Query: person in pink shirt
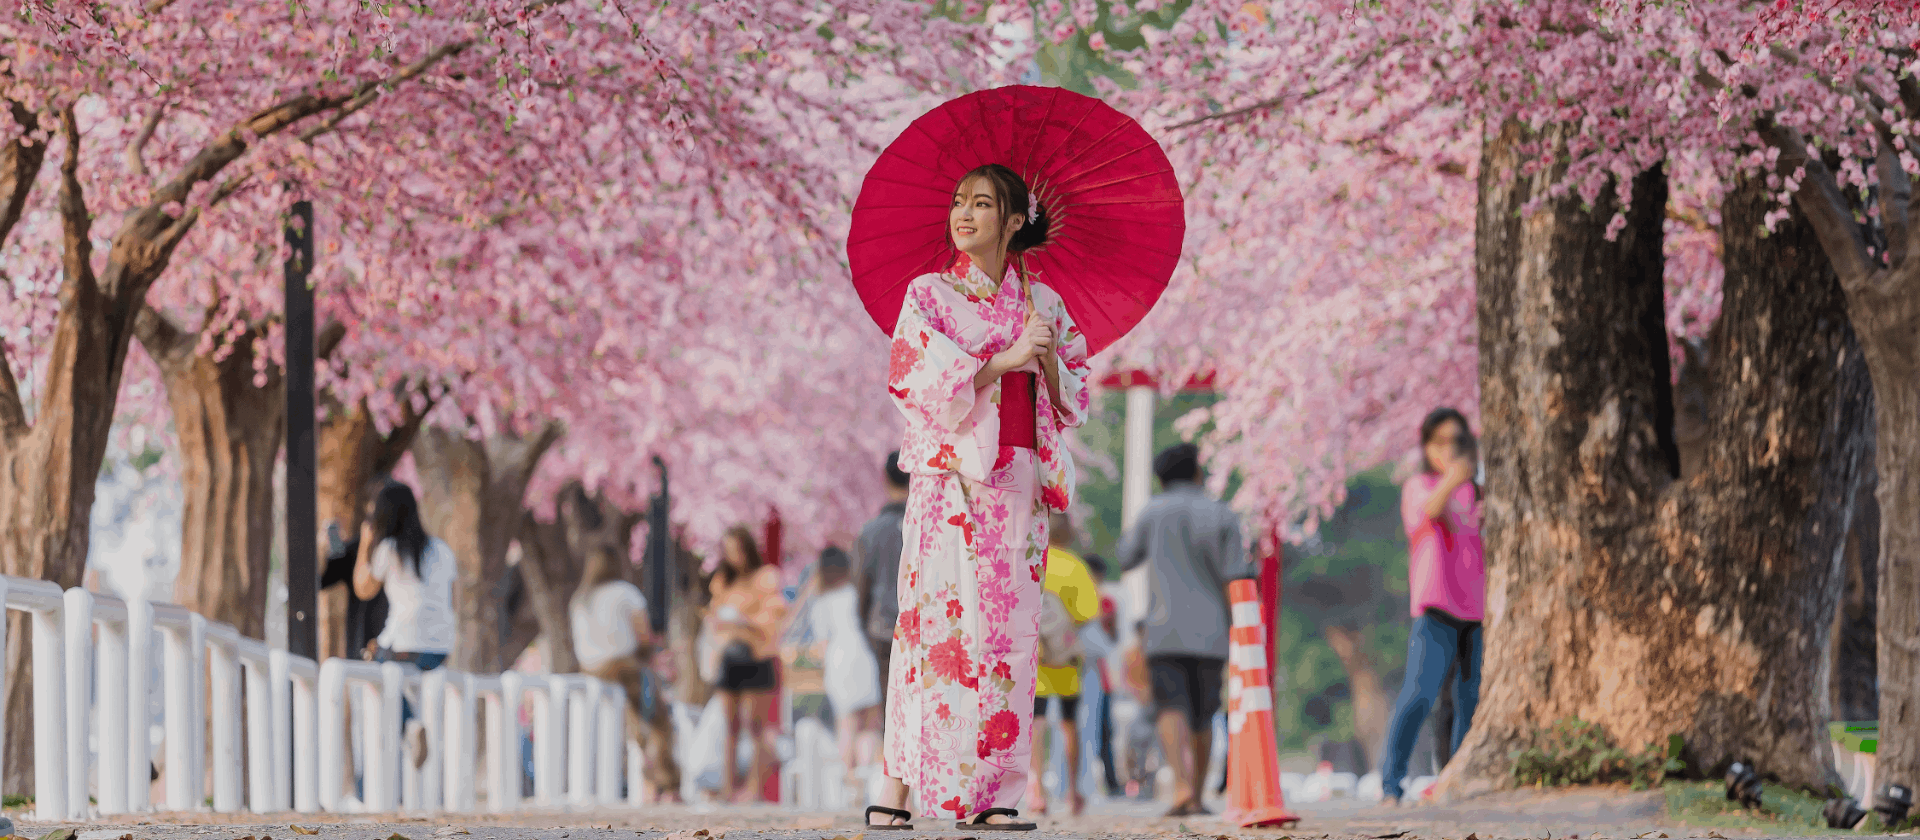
x=1447, y=577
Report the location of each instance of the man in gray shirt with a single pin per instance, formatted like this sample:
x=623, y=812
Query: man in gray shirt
x=1192, y=546
x=877, y=569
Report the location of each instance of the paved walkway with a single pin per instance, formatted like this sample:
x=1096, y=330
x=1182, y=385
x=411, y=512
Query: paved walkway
x=1602, y=814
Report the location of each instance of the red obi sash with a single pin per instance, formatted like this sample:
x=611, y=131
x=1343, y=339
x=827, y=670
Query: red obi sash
x=1017, y=410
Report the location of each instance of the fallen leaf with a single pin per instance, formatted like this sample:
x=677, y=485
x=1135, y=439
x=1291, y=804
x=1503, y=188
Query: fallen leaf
x=58, y=834
x=1473, y=837
x=300, y=829
x=1716, y=835
x=398, y=836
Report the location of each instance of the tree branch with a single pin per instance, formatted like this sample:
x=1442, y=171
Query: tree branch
x=73, y=210
x=328, y=339
x=13, y=414
x=160, y=335
x=136, y=151
x=398, y=441
x=19, y=165
x=1819, y=196
x=217, y=155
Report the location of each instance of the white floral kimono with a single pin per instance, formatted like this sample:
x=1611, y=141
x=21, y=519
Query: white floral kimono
x=966, y=648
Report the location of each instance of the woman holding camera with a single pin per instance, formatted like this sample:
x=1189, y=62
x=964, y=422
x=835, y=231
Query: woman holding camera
x=1447, y=577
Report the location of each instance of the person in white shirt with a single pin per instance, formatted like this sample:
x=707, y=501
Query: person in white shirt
x=416, y=572
x=614, y=642
x=851, y=671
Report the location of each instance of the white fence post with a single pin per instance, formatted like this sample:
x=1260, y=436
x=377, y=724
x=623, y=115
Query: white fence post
x=461, y=760
x=306, y=738
x=79, y=655
x=224, y=717
x=582, y=693
x=610, y=702
x=503, y=745
x=333, y=732
x=50, y=783
x=178, y=675
x=139, y=722
x=383, y=749
x=280, y=729
x=110, y=680
x=197, y=685
x=433, y=715
x=550, y=743
x=262, y=737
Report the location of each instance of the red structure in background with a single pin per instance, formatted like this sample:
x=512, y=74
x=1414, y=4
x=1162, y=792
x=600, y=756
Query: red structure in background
x=1136, y=378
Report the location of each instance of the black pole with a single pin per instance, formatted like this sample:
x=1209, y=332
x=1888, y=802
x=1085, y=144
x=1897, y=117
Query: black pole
x=658, y=596
x=302, y=571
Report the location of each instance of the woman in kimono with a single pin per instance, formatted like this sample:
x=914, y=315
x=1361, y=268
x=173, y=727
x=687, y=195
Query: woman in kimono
x=988, y=379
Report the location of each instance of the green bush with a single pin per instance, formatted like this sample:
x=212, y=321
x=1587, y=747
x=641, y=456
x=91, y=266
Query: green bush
x=1576, y=752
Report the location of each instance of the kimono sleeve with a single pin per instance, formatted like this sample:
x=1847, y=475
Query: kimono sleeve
x=929, y=377
x=1071, y=346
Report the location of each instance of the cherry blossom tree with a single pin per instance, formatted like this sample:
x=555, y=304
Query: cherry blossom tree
x=177, y=132
x=1582, y=115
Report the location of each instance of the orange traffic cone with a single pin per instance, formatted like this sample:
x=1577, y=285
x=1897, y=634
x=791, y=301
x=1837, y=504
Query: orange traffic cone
x=1253, y=777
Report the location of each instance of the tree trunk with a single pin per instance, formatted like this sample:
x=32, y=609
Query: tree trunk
x=549, y=571
x=471, y=496
x=683, y=627
x=1878, y=263
x=1618, y=594
x=229, y=431
x=351, y=452
x=1887, y=318
x=1372, y=705
x=48, y=468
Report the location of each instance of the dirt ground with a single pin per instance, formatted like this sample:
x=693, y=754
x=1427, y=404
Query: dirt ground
x=1579, y=814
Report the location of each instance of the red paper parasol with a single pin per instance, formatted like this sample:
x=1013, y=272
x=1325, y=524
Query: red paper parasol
x=1114, y=207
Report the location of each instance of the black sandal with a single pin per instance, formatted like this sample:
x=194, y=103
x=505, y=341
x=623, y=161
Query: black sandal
x=891, y=814
x=978, y=821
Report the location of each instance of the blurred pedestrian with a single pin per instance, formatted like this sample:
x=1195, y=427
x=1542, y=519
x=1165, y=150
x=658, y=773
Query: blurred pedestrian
x=614, y=642
x=416, y=573
x=1447, y=578
x=744, y=619
x=1100, y=639
x=365, y=618
x=1192, y=546
x=852, y=676
x=1076, y=599
x=877, y=573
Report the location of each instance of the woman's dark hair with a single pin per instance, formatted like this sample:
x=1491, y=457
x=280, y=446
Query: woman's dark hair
x=1010, y=191
x=1466, y=443
x=396, y=516
x=747, y=547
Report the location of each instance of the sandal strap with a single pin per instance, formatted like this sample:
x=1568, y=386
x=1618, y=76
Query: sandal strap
x=889, y=812
x=981, y=818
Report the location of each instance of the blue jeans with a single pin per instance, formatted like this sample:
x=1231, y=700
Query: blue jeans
x=1432, y=646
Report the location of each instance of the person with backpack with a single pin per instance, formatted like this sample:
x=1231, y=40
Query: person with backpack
x=1070, y=599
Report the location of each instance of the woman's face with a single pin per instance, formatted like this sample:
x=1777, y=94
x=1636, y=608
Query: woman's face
x=1442, y=446
x=734, y=554
x=975, y=221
